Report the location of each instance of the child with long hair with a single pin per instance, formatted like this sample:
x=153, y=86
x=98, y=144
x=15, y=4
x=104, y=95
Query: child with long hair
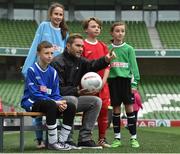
x=120, y=86
x=54, y=31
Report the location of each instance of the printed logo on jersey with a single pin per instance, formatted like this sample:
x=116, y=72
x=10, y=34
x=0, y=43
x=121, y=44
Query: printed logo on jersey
x=119, y=64
x=45, y=89
x=89, y=52
x=31, y=83
x=49, y=91
x=57, y=48
x=38, y=77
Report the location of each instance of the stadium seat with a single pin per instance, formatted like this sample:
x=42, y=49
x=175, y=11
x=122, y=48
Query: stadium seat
x=17, y=33
x=169, y=33
x=137, y=34
x=161, y=96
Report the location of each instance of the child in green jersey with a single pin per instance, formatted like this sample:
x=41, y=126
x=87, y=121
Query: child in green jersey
x=120, y=86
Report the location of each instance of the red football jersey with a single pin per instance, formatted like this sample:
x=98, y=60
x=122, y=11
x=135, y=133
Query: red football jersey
x=95, y=51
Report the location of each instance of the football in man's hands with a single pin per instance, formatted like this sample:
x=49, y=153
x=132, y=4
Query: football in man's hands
x=91, y=81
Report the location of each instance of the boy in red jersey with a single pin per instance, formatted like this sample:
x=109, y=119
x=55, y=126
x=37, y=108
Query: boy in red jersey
x=94, y=49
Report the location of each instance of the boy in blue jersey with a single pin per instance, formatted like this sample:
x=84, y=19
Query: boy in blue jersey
x=54, y=31
x=42, y=94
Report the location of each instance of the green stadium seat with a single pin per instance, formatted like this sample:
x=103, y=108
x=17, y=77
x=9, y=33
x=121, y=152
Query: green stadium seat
x=160, y=96
x=11, y=92
x=15, y=31
x=169, y=33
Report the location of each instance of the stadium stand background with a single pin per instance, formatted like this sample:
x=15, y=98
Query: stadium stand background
x=153, y=30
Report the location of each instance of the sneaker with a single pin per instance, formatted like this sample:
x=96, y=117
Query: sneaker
x=102, y=142
x=40, y=144
x=59, y=146
x=73, y=145
x=89, y=144
x=116, y=143
x=134, y=143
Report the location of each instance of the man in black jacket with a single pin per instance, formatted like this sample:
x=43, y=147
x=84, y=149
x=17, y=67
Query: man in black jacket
x=70, y=67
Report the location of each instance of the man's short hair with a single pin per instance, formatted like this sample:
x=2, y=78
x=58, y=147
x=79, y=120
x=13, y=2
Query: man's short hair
x=44, y=44
x=74, y=36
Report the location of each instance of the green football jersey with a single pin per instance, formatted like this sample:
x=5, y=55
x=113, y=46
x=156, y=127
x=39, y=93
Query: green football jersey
x=125, y=64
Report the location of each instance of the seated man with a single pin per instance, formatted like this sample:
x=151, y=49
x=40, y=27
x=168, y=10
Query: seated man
x=70, y=67
x=41, y=94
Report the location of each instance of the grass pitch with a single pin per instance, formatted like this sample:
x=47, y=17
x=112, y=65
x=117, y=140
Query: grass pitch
x=152, y=140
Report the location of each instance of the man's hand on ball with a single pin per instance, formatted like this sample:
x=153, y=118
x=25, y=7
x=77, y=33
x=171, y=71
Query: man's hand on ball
x=87, y=92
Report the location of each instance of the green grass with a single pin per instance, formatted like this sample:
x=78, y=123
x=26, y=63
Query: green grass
x=152, y=140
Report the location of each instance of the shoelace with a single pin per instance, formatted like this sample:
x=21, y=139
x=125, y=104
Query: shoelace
x=102, y=141
x=65, y=145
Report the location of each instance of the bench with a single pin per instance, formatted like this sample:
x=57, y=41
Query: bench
x=21, y=127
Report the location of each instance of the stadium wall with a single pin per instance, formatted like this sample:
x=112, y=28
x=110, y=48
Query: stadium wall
x=159, y=66
x=11, y=67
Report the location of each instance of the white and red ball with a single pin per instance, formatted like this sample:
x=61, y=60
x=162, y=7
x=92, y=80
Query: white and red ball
x=91, y=81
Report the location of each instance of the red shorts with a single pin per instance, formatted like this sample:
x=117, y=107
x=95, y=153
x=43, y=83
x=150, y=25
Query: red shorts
x=105, y=96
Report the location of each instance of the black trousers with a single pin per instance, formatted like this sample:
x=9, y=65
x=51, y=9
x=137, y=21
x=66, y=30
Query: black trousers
x=50, y=109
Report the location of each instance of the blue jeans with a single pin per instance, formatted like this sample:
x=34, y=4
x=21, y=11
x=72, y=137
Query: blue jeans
x=39, y=133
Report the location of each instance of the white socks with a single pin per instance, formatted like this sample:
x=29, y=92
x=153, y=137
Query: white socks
x=134, y=136
x=52, y=133
x=117, y=135
x=64, y=133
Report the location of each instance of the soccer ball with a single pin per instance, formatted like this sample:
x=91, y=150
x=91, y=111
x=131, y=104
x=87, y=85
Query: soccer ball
x=91, y=81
